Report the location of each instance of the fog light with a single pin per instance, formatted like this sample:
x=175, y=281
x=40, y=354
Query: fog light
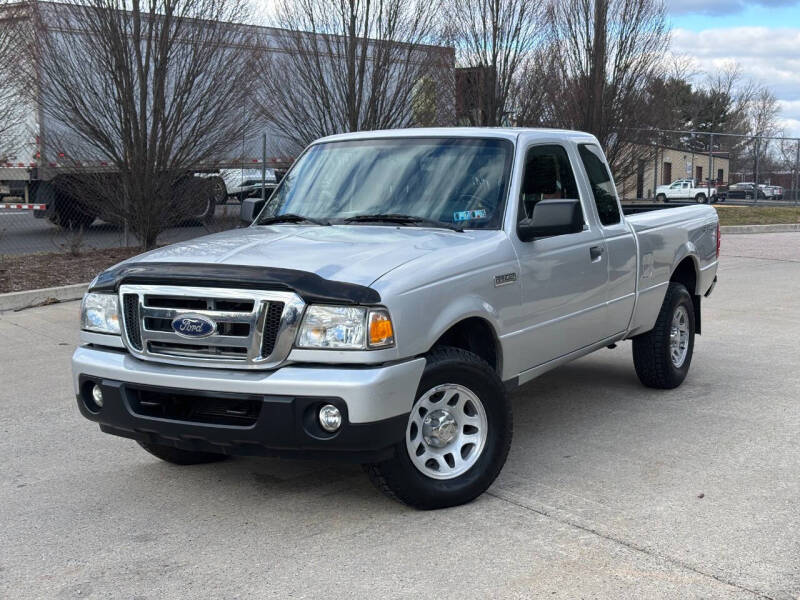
x=330, y=418
x=97, y=395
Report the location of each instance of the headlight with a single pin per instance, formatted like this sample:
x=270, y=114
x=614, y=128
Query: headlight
x=100, y=312
x=345, y=328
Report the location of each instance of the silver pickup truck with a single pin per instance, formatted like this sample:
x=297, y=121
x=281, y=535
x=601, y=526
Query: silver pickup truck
x=382, y=304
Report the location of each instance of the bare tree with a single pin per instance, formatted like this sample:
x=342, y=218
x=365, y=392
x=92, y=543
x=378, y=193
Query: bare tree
x=13, y=60
x=762, y=117
x=350, y=65
x=494, y=40
x=604, y=54
x=145, y=92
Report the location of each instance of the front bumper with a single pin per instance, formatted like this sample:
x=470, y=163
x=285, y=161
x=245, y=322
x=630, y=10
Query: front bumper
x=153, y=403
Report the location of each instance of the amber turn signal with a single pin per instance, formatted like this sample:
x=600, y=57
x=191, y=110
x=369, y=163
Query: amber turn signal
x=381, y=333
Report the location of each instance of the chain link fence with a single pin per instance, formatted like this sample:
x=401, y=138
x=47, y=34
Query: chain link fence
x=37, y=250
x=661, y=166
x=671, y=165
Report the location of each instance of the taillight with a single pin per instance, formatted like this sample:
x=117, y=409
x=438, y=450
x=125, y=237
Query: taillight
x=719, y=239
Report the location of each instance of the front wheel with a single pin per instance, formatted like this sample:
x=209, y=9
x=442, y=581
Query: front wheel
x=662, y=355
x=457, y=436
x=662, y=198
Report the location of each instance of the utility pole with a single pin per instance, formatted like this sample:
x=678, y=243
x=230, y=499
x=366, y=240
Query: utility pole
x=597, y=69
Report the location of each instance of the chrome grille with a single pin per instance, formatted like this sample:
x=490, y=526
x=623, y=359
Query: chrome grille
x=254, y=329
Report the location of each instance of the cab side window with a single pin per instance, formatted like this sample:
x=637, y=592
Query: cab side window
x=547, y=175
x=605, y=195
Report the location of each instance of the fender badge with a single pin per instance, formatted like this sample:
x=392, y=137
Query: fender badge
x=504, y=279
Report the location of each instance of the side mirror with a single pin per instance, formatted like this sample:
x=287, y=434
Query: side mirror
x=552, y=217
x=250, y=209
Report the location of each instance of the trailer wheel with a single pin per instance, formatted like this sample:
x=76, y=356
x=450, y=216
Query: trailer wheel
x=194, y=200
x=63, y=210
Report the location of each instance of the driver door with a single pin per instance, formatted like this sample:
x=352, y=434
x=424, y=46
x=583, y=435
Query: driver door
x=563, y=277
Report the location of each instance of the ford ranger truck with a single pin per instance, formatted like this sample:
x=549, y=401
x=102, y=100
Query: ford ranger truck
x=385, y=300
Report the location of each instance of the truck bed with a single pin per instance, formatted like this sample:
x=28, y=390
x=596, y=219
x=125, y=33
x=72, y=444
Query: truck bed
x=666, y=234
x=635, y=208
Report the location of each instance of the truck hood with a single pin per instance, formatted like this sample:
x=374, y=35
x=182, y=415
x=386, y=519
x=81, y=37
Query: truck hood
x=357, y=254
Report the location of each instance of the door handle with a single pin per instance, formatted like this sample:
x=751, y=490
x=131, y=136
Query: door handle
x=596, y=253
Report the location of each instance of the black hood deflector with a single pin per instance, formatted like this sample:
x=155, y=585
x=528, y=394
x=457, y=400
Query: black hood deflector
x=309, y=286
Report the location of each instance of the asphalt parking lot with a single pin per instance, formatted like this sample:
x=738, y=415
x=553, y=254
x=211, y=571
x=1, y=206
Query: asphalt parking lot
x=22, y=233
x=611, y=490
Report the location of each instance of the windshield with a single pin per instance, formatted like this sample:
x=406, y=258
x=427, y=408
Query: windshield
x=453, y=181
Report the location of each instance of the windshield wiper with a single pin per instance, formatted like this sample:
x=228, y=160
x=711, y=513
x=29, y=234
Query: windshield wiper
x=401, y=220
x=291, y=218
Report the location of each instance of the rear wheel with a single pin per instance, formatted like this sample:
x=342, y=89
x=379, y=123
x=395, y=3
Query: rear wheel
x=662, y=356
x=701, y=198
x=457, y=437
x=177, y=456
x=63, y=209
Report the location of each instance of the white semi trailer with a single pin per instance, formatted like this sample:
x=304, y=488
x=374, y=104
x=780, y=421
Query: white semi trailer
x=43, y=165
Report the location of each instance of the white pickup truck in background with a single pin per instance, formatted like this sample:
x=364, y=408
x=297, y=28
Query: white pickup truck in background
x=386, y=298
x=686, y=189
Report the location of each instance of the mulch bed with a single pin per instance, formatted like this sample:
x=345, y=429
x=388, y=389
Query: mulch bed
x=50, y=269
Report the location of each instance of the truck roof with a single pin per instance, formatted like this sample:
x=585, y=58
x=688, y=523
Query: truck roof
x=509, y=133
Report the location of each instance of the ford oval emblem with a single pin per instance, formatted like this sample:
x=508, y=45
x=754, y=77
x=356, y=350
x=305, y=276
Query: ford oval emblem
x=193, y=326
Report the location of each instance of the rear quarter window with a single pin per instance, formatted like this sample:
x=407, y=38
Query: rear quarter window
x=605, y=195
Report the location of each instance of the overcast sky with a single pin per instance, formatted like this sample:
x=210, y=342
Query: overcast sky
x=763, y=37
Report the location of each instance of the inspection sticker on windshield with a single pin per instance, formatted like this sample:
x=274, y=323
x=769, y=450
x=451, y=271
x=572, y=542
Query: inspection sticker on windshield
x=469, y=215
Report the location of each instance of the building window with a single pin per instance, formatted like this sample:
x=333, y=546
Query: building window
x=698, y=174
x=666, y=173
x=720, y=176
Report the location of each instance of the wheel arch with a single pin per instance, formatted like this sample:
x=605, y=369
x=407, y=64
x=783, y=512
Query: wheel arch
x=474, y=333
x=687, y=272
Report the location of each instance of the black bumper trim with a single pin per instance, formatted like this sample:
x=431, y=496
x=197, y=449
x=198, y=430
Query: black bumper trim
x=285, y=426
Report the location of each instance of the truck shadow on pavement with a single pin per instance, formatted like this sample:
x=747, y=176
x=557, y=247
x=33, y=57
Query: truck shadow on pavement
x=565, y=404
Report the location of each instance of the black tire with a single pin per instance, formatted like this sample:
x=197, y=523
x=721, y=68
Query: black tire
x=652, y=351
x=193, y=197
x=176, y=456
x=63, y=210
x=701, y=198
x=220, y=190
x=662, y=198
x=400, y=479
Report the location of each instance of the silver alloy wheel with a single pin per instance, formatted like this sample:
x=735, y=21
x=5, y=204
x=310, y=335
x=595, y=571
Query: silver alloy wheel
x=679, y=336
x=446, y=431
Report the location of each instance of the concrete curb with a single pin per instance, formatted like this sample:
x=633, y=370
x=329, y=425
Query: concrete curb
x=778, y=228
x=31, y=298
